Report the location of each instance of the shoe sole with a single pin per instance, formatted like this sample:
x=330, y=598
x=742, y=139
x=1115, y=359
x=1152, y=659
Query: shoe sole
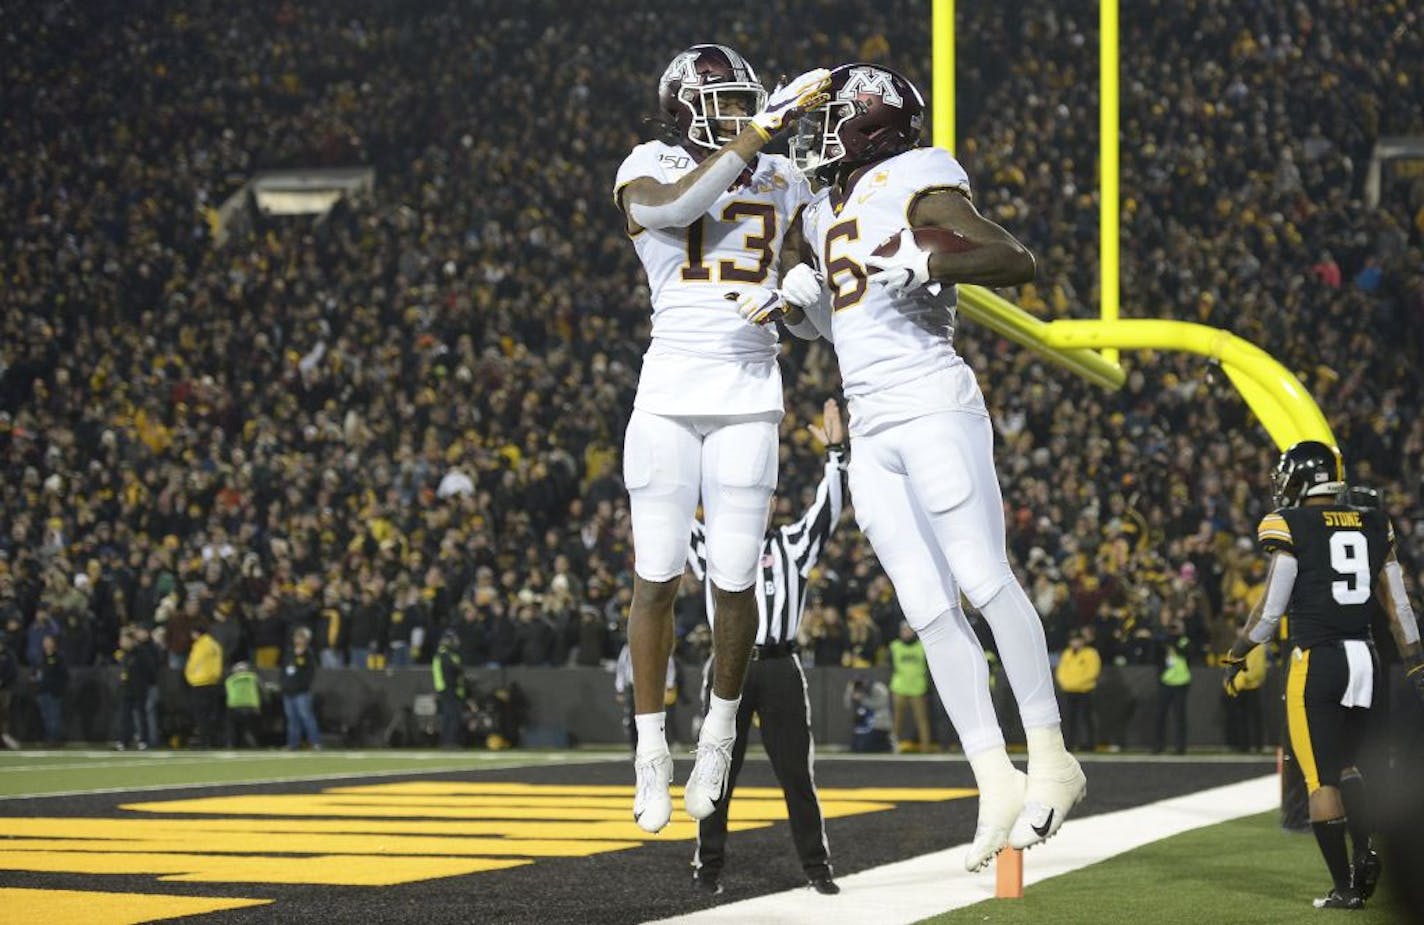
x=984, y=864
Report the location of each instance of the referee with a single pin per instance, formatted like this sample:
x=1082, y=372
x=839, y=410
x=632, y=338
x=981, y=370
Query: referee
x=775, y=689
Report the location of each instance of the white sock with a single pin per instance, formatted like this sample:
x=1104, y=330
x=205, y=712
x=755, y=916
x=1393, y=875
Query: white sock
x=961, y=676
x=991, y=764
x=1018, y=633
x=1045, y=745
x=994, y=775
x=721, y=721
x=652, y=739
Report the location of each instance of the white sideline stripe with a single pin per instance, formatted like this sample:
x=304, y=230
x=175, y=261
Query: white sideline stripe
x=339, y=775
x=109, y=759
x=932, y=884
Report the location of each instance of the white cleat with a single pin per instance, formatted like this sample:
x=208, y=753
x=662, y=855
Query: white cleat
x=652, y=802
x=708, y=783
x=999, y=805
x=1049, y=798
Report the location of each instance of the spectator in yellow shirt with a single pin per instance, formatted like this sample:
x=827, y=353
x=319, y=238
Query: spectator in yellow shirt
x=1078, y=669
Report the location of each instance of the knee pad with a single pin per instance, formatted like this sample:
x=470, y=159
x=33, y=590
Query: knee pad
x=734, y=555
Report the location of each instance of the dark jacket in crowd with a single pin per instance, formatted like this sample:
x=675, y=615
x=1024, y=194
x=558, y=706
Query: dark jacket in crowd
x=474, y=648
x=298, y=671
x=52, y=675
x=368, y=626
x=503, y=639
x=535, y=641
x=9, y=668
x=138, y=671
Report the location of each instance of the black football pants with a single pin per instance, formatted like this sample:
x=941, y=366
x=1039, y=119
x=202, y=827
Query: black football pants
x=775, y=692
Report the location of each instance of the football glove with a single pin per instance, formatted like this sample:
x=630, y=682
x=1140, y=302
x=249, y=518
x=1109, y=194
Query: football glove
x=906, y=271
x=1414, y=674
x=786, y=102
x=801, y=286
x=759, y=306
x=1234, y=667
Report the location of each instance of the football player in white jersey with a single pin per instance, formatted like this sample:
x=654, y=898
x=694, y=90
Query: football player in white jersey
x=705, y=213
x=922, y=464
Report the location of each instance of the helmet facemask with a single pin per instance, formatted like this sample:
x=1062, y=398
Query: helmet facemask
x=721, y=111
x=817, y=144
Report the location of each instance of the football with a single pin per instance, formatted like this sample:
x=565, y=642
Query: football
x=929, y=237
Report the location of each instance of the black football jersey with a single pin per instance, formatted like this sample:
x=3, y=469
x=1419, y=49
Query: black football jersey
x=1339, y=551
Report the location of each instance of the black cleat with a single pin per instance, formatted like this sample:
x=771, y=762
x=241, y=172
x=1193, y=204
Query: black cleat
x=1340, y=899
x=824, y=885
x=1365, y=875
x=709, y=885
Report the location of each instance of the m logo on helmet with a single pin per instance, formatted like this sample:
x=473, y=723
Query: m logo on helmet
x=871, y=80
x=682, y=68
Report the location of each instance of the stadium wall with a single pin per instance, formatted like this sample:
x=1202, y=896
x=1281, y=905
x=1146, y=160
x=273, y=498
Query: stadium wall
x=576, y=706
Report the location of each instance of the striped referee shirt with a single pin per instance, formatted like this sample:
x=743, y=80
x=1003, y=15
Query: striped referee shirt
x=787, y=556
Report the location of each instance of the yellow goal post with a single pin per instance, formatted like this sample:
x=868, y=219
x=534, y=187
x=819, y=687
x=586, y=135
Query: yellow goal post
x=1090, y=348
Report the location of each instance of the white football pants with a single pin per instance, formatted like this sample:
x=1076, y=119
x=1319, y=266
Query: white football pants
x=730, y=461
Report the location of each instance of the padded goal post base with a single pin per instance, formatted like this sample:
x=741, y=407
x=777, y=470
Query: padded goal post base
x=1008, y=874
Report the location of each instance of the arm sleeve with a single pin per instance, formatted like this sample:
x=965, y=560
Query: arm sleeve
x=1394, y=579
x=694, y=201
x=805, y=538
x=817, y=323
x=1278, y=593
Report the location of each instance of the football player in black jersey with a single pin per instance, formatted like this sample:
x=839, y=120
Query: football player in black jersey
x=1332, y=568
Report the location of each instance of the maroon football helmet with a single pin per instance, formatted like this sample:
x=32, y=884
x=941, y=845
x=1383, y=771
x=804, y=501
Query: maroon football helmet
x=711, y=93
x=873, y=113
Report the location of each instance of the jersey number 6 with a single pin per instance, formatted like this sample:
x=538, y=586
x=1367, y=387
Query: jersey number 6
x=847, y=292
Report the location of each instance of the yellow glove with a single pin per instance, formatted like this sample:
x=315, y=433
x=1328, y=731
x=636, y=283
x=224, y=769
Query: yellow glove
x=670, y=697
x=1234, y=667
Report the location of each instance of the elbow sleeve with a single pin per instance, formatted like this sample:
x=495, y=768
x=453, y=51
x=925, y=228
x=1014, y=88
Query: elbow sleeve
x=816, y=323
x=694, y=201
x=1278, y=594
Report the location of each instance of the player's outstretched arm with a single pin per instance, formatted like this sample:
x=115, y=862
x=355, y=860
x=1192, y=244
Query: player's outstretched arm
x=996, y=258
x=1265, y=616
x=650, y=204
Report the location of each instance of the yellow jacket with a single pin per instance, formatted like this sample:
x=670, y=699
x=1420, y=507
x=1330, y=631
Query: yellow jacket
x=1078, y=671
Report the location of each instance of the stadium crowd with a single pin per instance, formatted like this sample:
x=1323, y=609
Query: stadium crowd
x=407, y=416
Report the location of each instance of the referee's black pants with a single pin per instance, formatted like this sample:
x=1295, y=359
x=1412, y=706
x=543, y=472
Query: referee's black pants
x=775, y=691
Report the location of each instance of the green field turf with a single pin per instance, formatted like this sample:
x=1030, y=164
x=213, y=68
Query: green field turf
x=1246, y=872
x=54, y=772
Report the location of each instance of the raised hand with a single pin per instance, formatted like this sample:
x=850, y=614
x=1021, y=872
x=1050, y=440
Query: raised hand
x=786, y=102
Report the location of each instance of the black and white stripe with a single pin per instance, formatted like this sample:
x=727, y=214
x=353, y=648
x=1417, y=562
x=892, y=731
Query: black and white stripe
x=787, y=556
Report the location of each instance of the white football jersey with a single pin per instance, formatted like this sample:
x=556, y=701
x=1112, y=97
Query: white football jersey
x=896, y=353
x=705, y=358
